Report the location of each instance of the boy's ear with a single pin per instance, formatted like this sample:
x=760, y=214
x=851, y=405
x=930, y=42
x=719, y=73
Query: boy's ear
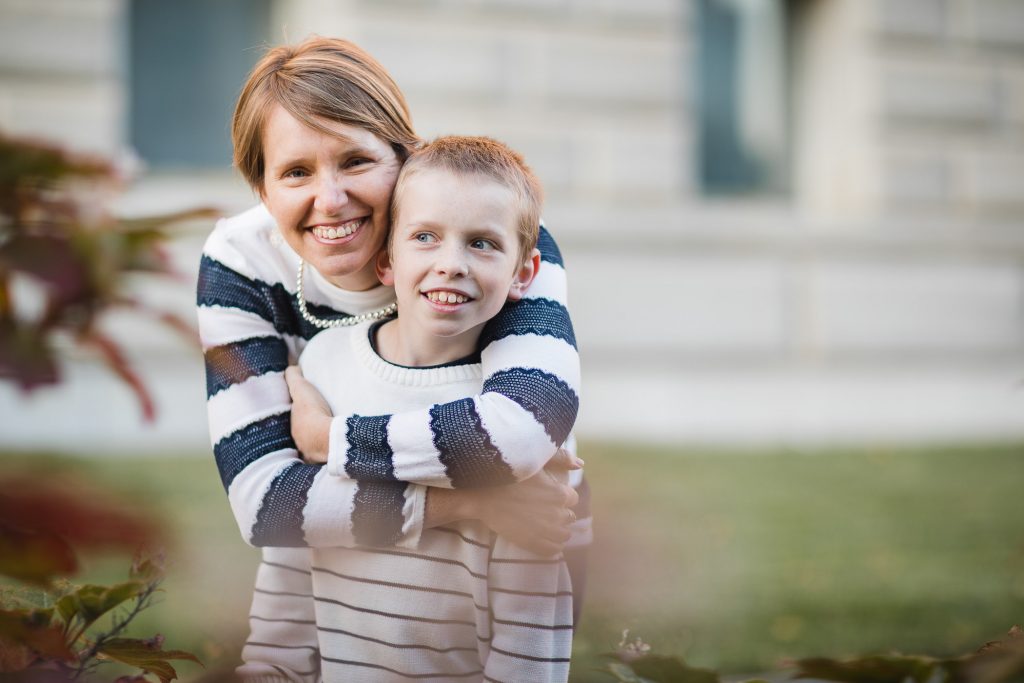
x=524, y=276
x=385, y=273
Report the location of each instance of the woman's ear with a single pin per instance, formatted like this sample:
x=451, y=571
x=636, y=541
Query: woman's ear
x=524, y=276
x=385, y=273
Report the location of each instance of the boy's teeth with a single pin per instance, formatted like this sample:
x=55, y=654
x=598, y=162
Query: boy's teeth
x=447, y=298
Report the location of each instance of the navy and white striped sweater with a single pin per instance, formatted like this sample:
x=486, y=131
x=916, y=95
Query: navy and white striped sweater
x=251, y=330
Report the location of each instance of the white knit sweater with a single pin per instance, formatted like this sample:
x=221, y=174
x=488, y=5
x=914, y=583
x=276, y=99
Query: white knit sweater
x=251, y=329
x=463, y=605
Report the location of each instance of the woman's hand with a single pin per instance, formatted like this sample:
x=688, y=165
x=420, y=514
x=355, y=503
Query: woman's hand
x=311, y=417
x=535, y=514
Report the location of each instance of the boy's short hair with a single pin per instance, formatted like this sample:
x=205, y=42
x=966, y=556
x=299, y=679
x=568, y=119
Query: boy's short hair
x=487, y=157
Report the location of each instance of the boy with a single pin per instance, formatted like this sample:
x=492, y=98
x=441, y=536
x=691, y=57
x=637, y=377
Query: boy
x=465, y=605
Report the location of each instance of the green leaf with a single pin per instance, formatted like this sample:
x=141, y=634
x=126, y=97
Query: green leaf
x=666, y=669
x=875, y=669
x=90, y=602
x=622, y=672
x=146, y=655
x=656, y=669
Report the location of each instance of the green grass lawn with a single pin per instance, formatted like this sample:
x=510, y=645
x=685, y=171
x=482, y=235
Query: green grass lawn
x=734, y=560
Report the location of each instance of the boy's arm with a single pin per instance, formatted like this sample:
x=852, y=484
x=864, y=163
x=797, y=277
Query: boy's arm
x=282, y=646
x=505, y=434
x=277, y=499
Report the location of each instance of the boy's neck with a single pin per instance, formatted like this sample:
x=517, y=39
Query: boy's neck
x=398, y=344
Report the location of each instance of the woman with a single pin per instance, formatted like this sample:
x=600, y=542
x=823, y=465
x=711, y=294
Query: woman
x=274, y=276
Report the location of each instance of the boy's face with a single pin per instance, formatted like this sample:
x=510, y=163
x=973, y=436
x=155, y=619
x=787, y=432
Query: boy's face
x=454, y=254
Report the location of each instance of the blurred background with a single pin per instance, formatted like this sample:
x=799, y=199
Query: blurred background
x=794, y=236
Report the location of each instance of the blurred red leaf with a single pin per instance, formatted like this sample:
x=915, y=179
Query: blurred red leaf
x=75, y=515
x=50, y=258
x=25, y=355
x=115, y=359
x=35, y=557
x=58, y=230
x=23, y=628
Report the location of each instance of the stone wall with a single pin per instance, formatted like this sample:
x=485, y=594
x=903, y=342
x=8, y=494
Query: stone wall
x=952, y=78
x=62, y=72
x=883, y=300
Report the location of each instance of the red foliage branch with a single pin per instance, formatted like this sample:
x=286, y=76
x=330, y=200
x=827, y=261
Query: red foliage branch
x=57, y=232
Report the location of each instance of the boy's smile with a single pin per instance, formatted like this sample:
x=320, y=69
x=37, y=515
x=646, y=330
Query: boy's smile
x=454, y=262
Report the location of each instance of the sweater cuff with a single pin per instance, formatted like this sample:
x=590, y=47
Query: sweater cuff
x=337, y=447
x=413, y=512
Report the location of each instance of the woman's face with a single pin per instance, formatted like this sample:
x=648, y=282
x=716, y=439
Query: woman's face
x=329, y=194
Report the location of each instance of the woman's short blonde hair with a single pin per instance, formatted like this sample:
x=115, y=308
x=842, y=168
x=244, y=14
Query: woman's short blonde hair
x=319, y=79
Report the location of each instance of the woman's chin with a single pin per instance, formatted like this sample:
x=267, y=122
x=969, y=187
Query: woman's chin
x=348, y=271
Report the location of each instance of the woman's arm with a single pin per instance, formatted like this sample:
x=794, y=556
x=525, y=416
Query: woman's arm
x=505, y=434
x=248, y=327
x=277, y=499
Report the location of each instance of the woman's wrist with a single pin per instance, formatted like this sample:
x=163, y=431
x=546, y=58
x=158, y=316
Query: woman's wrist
x=321, y=444
x=445, y=506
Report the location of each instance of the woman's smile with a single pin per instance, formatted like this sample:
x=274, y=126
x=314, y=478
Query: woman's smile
x=336, y=233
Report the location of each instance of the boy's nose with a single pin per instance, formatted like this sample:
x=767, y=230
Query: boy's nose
x=452, y=262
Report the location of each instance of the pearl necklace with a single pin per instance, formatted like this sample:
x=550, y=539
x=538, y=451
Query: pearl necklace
x=337, y=322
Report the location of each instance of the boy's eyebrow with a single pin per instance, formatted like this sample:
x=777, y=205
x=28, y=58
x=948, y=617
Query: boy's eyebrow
x=485, y=230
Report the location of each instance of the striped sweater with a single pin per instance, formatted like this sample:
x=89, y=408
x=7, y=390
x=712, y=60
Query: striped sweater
x=465, y=605
x=250, y=329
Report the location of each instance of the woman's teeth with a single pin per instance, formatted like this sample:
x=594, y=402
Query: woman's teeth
x=343, y=230
x=447, y=298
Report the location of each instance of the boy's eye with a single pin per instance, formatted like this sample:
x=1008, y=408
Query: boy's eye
x=483, y=244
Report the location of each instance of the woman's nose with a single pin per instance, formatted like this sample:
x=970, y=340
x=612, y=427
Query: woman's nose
x=331, y=196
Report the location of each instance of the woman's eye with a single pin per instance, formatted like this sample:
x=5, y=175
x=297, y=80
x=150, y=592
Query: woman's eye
x=424, y=237
x=295, y=173
x=356, y=161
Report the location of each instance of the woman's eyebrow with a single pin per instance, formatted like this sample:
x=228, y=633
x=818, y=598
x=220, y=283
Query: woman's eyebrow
x=288, y=161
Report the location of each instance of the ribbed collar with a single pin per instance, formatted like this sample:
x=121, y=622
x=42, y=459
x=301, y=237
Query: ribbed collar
x=415, y=377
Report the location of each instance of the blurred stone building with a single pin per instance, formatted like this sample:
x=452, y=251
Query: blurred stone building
x=784, y=220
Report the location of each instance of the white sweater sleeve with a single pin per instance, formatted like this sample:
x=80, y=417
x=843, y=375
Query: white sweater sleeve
x=509, y=431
